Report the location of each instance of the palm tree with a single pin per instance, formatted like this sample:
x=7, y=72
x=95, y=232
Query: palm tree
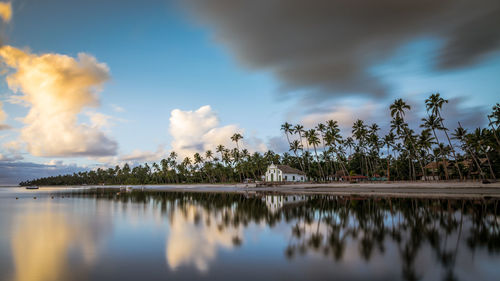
x=197, y=160
x=299, y=129
x=296, y=146
x=434, y=104
x=220, y=149
x=209, y=155
x=287, y=127
x=321, y=128
x=185, y=164
x=389, y=142
x=480, y=139
x=398, y=112
x=432, y=122
x=374, y=142
x=494, y=119
x=312, y=139
x=173, y=162
x=443, y=152
x=398, y=108
x=236, y=138
x=235, y=153
x=359, y=132
x=461, y=135
x=425, y=142
x=349, y=142
x=332, y=138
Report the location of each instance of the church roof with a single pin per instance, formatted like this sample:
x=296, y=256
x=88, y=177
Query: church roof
x=289, y=170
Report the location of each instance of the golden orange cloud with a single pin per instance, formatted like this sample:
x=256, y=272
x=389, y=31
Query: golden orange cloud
x=5, y=11
x=57, y=88
x=3, y=117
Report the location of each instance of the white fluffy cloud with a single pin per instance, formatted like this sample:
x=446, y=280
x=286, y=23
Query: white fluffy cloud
x=138, y=156
x=199, y=130
x=57, y=88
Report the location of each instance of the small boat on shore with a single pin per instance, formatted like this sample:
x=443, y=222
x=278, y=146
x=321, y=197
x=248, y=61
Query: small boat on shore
x=32, y=187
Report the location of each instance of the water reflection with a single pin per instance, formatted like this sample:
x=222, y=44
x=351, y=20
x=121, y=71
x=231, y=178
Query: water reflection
x=43, y=240
x=328, y=224
x=194, y=239
x=344, y=236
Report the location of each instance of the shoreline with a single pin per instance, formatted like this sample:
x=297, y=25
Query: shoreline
x=459, y=190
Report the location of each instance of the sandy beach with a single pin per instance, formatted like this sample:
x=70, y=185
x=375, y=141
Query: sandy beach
x=387, y=189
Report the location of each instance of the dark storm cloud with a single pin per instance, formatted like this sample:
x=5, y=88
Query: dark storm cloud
x=471, y=117
x=328, y=46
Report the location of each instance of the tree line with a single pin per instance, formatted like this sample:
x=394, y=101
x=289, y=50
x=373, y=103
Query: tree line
x=436, y=152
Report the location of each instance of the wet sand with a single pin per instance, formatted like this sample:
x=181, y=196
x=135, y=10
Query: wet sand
x=384, y=189
x=391, y=189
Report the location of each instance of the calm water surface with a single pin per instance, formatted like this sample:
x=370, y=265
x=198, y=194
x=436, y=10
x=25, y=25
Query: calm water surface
x=105, y=235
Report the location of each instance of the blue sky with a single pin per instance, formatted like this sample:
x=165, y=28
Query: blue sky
x=164, y=55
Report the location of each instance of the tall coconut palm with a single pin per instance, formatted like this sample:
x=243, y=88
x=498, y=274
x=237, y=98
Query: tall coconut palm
x=359, y=131
x=398, y=109
x=332, y=125
x=480, y=139
x=299, y=130
x=374, y=142
x=332, y=139
x=494, y=119
x=209, y=156
x=287, y=128
x=433, y=123
x=425, y=142
x=236, y=138
x=389, y=142
x=349, y=143
x=295, y=146
x=434, y=104
x=186, y=163
x=321, y=128
x=312, y=139
x=460, y=134
x=220, y=149
x=197, y=160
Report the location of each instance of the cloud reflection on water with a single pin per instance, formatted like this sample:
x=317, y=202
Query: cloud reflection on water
x=43, y=240
x=194, y=241
x=195, y=235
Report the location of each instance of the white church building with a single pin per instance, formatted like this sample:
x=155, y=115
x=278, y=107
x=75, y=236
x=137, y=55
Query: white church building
x=280, y=173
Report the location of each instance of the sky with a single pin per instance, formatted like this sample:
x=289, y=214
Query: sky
x=87, y=84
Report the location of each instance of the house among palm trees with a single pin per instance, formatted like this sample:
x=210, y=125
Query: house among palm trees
x=284, y=173
x=436, y=170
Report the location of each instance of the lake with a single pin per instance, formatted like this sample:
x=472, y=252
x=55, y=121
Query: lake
x=105, y=234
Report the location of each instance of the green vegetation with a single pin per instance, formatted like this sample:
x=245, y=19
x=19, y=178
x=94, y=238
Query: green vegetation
x=325, y=155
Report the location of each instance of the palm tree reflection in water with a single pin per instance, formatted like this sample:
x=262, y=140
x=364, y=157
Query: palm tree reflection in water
x=327, y=225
